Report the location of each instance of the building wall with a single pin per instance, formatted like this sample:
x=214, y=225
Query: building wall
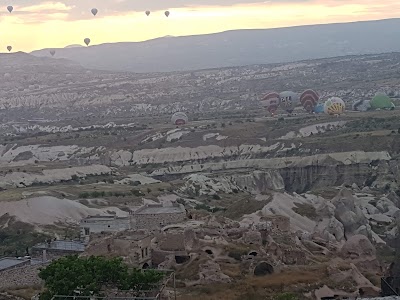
x=51, y=254
x=136, y=253
x=90, y=226
x=156, y=221
x=129, y=250
x=26, y=276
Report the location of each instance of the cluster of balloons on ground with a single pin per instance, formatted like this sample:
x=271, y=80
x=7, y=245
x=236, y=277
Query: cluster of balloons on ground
x=94, y=12
x=310, y=100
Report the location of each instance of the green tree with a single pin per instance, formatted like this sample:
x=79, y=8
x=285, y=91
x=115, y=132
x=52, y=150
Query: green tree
x=89, y=275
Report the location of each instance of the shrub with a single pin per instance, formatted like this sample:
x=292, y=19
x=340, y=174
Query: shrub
x=216, y=197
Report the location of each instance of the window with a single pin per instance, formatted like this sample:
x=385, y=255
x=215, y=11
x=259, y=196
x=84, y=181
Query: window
x=87, y=231
x=142, y=253
x=145, y=250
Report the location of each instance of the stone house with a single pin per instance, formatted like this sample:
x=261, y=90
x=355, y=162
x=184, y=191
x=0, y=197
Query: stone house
x=155, y=216
x=149, y=217
x=50, y=250
x=133, y=246
x=99, y=224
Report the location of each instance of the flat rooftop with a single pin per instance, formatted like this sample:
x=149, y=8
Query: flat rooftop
x=95, y=219
x=149, y=210
x=62, y=245
x=9, y=262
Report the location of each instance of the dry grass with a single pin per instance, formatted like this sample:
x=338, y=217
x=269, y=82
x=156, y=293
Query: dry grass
x=287, y=278
x=25, y=293
x=232, y=270
x=254, y=288
x=191, y=270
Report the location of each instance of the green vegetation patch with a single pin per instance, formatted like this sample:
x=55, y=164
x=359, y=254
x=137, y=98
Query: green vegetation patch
x=90, y=276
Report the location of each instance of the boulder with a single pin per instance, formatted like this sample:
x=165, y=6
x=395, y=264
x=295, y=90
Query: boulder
x=348, y=212
x=358, y=246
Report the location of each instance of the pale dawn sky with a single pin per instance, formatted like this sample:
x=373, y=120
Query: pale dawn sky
x=36, y=24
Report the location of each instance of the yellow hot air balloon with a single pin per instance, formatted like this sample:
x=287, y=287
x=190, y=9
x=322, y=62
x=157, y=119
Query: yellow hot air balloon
x=334, y=106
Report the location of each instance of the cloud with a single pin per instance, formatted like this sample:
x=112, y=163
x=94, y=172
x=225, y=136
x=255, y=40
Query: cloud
x=80, y=9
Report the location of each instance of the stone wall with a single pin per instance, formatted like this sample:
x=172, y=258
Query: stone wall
x=26, y=276
x=103, y=224
x=156, y=221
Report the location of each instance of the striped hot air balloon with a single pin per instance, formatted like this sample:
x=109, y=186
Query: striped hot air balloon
x=271, y=102
x=179, y=118
x=309, y=99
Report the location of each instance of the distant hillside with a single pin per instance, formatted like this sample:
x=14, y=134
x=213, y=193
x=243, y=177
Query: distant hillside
x=21, y=62
x=239, y=47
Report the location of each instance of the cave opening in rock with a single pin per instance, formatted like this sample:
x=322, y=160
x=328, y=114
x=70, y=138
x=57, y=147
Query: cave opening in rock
x=145, y=266
x=253, y=253
x=181, y=259
x=208, y=251
x=263, y=268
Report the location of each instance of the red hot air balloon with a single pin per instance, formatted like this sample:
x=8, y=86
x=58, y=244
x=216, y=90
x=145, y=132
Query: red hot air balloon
x=309, y=99
x=271, y=102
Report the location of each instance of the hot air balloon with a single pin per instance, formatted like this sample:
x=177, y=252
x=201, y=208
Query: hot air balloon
x=10, y=8
x=289, y=100
x=309, y=100
x=167, y=13
x=94, y=11
x=9, y=48
x=361, y=105
x=179, y=118
x=87, y=41
x=381, y=101
x=147, y=13
x=334, y=106
x=271, y=102
x=319, y=108
x=52, y=52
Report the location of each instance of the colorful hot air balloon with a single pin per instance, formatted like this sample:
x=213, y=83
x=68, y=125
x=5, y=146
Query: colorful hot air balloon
x=334, y=106
x=289, y=100
x=147, y=13
x=52, y=52
x=10, y=9
x=9, y=48
x=167, y=13
x=179, y=118
x=361, y=105
x=381, y=101
x=94, y=11
x=309, y=100
x=271, y=102
x=87, y=41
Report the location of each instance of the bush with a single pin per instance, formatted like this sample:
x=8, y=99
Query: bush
x=69, y=274
x=286, y=296
x=84, y=195
x=136, y=193
x=216, y=197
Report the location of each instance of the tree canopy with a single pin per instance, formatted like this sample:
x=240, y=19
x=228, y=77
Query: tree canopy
x=89, y=276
